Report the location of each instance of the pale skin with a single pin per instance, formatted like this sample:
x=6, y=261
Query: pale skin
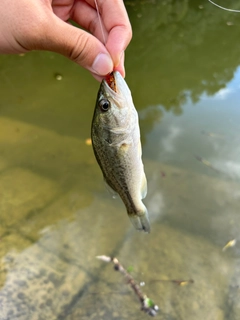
x=27, y=25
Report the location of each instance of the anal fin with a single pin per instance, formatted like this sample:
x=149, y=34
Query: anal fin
x=111, y=191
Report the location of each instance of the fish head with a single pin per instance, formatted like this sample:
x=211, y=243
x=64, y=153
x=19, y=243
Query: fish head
x=114, y=104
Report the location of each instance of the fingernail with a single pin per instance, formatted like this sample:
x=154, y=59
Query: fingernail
x=102, y=64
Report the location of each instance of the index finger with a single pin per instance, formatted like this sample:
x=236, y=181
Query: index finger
x=116, y=22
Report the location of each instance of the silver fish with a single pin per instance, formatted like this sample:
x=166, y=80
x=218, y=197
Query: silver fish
x=117, y=147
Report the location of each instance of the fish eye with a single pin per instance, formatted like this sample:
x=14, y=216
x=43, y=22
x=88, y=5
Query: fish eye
x=104, y=105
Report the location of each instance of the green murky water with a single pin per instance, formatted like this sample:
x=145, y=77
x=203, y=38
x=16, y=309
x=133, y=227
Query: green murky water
x=56, y=215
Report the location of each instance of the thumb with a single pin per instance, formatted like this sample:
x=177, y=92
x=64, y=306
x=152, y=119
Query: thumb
x=76, y=44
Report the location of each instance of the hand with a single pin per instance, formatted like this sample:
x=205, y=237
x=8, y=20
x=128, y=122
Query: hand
x=43, y=25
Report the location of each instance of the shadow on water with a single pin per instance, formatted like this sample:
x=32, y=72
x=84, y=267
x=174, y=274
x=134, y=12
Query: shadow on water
x=183, y=70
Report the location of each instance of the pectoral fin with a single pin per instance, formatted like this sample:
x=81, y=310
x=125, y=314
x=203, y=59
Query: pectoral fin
x=109, y=188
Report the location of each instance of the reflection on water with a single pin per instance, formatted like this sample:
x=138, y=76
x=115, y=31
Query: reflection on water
x=209, y=131
x=56, y=216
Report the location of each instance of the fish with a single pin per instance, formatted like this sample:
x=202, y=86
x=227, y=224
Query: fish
x=117, y=147
x=212, y=134
x=181, y=283
x=205, y=162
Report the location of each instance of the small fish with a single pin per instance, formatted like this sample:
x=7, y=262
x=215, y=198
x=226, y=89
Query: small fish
x=117, y=147
x=181, y=283
x=229, y=244
x=212, y=134
x=205, y=162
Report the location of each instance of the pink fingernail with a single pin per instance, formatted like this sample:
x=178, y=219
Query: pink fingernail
x=102, y=64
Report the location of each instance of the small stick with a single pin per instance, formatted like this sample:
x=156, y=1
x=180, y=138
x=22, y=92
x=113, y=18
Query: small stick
x=147, y=304
x=229, y=244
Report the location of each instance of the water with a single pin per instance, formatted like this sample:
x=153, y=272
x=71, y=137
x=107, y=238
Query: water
x=56, y=215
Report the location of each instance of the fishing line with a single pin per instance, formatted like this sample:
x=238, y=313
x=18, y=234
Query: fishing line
x=226, y=9
x=100, y=22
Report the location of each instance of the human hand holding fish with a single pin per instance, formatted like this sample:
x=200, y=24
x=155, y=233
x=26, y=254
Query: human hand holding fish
x=117, y=145
x=27, y=25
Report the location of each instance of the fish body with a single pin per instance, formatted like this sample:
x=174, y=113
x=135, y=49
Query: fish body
x=117, y=147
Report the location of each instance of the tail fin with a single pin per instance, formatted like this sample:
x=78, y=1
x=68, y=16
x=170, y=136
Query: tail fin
x=140, y=220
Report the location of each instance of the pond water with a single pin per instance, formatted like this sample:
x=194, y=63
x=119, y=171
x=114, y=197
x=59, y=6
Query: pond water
x=183, y=68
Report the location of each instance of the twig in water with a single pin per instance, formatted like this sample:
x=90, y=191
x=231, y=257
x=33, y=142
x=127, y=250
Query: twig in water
x=147, y=304
x=229, y=244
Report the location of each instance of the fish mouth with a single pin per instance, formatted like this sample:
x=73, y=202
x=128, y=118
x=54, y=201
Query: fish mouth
x=111, y=82
x=114, y=86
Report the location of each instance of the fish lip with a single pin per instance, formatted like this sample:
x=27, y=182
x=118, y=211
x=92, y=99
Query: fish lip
x=119, y=82
x=108, y=88
x=116, y=96
x=122, y=95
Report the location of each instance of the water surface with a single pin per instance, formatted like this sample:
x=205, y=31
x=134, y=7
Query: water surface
x=56, y=215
